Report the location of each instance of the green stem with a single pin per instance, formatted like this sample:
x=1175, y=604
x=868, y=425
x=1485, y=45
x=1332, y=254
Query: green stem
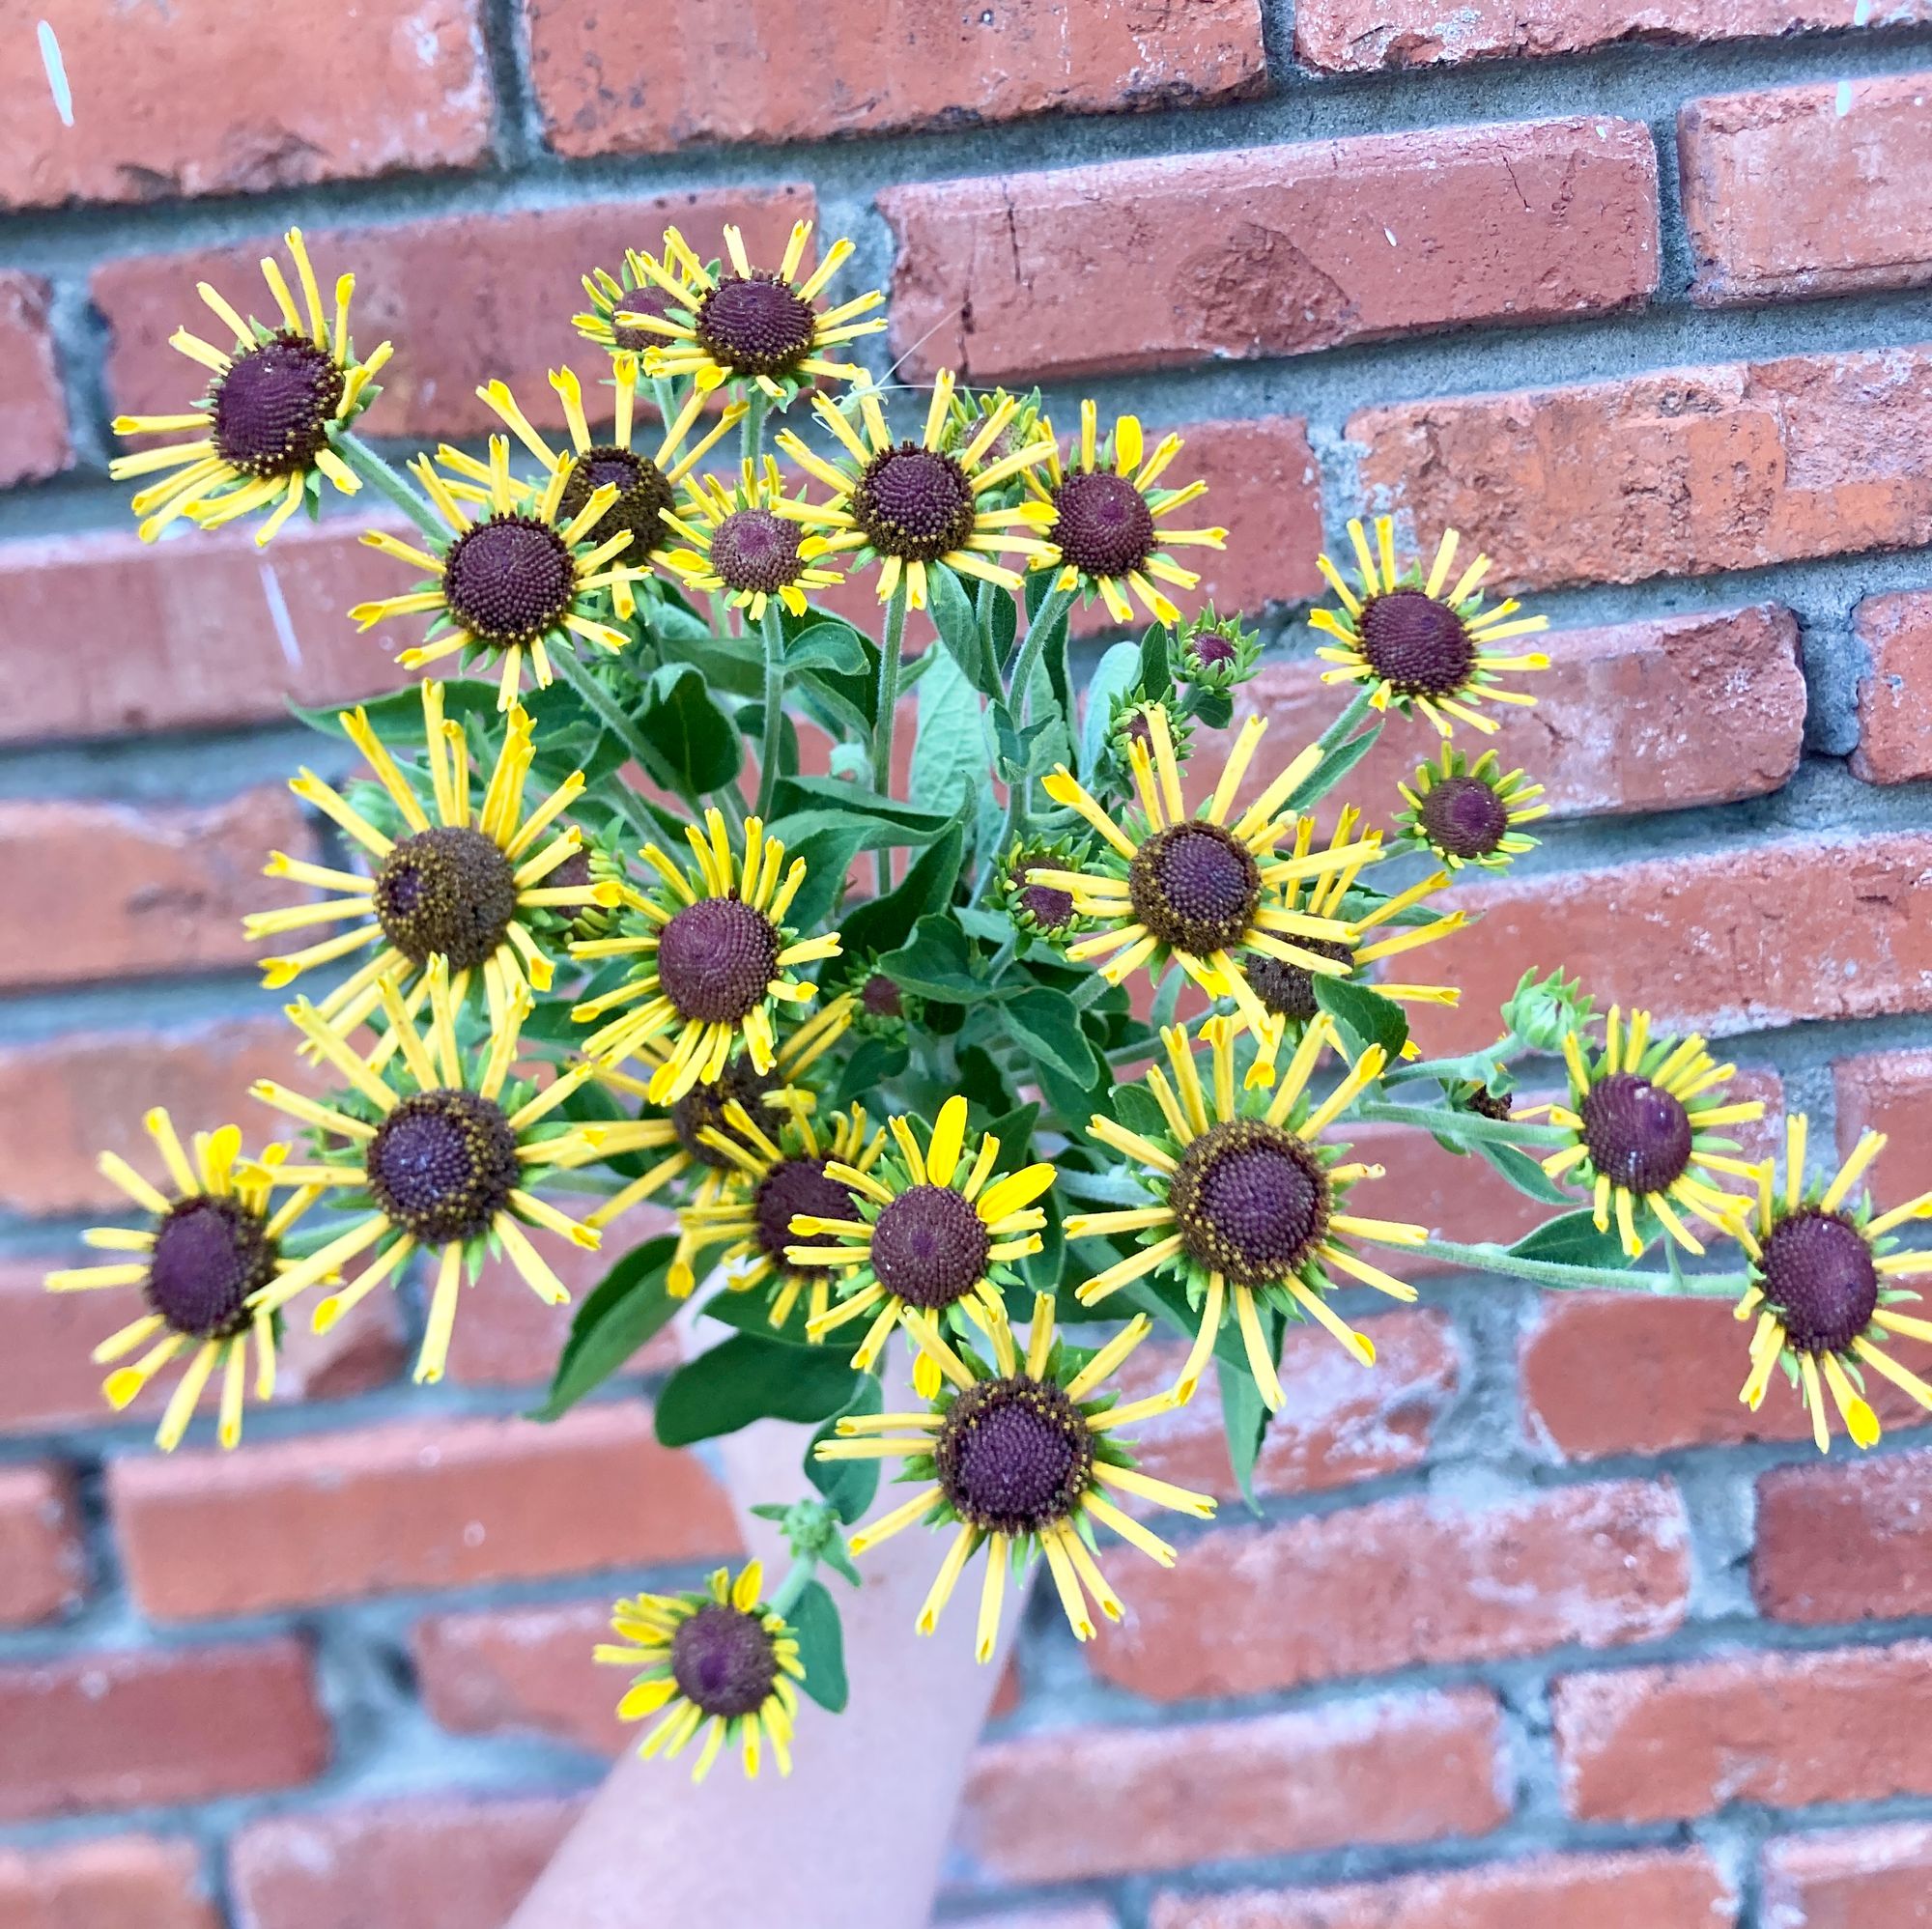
x=773, y=625
x=785, y=1597
x=611, y=713
x=389, y=481
x=1550, y=1272
x=892, y=661
x=1464, y=1124
x=1338, y=733
x=1019, y=693
x=751, y=429
x=1472, y=1065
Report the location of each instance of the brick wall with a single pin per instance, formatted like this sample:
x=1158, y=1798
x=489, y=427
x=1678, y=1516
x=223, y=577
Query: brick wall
x=1537, y=1625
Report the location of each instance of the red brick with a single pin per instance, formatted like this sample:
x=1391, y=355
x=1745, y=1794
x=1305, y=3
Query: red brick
x=42, y=1569
x=1360, y=35
x=1661, y=1889
x=1895, y=713
x=522, y=1669
x=115, y=1882
x=1671, y=473
x=465, y=298
x=647, y=83
x=1807, y=190
x=1272, y=251
x=1357, y=1774
x=429, y=1864
x=1694, y=709
x=1617, y=1373
x=176, y=102
x=138, y=1729
x=1399, y=1584
x=1844, y=1543
x=33, y=410
x=423, y=1504
x=1649, y=1744
x=1850, y=1879
x=1339, y=1424
x=104, y=891
x=1890, y=1092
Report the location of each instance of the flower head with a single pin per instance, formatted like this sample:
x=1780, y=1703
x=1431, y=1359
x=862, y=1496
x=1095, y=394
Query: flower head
x=1217, y=652
x=1045, y=910
x=260, y=436
x=740, y=546
x=1470, y=812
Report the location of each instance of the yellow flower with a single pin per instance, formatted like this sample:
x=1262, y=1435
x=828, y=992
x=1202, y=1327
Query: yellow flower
x=715, y=958
x=216, y=1242
x=748, y=325
x=721, y=1660
x=744, y=547
x=518, y=582
x=911, y=504
x=261, y=433
x=935, y=1233
x=1020, y=1457
x=1416, y=648
x=1468, y=813
x=1247, y=1201
x=1823, y=1287
x=1106, y=528
x=610, y=294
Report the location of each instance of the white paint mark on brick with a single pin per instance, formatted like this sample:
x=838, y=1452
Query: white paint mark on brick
x=50, y=59
x=278, y=615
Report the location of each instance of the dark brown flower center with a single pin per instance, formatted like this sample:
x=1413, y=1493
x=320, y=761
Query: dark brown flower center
x=794, y=1186
x=443, y=1163
x=1195, y=887
x=723, y=1661
x=643, y=495
x=209, y=1255
x=1821, y=1278
x=913, y=503
x=273, y=404
x=930, y=1247
x=447, y=890
x=1289, y=989
x=1465, y=818
x=1250, y=1202
x=1212, y=650
x=1048, y=906
x=1102, y=524
x=509, y=580
x=714, y=959
x=754, y=550
x=701, y=1109
x=638, y=301
x=1417, y=644
x=1639, y=1136
x=755, y=325
x=1490, y=1104
x=1013, y=1455
x=881, y=997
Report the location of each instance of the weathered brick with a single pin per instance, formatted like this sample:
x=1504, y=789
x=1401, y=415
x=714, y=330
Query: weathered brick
x=1850, y=1879
x=1894, y=712
x=1671, y=473
x=1398, y=1584
x=465, y=298
x=1844, y=1543
x=1661, y=1889
x=1357, y=1772
x=113, y=1881
x=525, y=1669
x=441, y=1862
x=422, y=1504
x=33, y=410
x=103, y=891
x=1271, y=251
x=1811, y=190
x=1890, y=1092
x=1650, y=1744
x=1660, y=715
x=176, y=102
x=42, y=1569
x=1360, y=35
x=647, y=83
x=125, y=1728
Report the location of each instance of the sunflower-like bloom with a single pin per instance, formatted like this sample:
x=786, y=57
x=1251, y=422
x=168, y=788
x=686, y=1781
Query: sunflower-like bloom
x=749, y=324
x=715, y=958
x=911, y=504
x=646, y=485
x=519, y=582
x=1822, y=1268
x=1645, y=1115
x=213, y=1243
x=1247, y=1200
x=446, y=1165
x=1163, y=886
x=1045, y=910
x=1018, y=1455
x=1471, y=812
x=628, y=291
x=743, y=548
x=721, y=1660
x=935, y=1233
x=1416, y=648
x=260, y=435
x=460, y=885
x=1106, y=529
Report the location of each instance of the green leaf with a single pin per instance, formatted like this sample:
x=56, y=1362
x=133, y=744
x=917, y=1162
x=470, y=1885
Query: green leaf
x=625, y=1309
x=1046, y=1025
x=804, y=805
x=1244, y=1417
x=1522, y=1170
x=1337, y=761
x=1366, y=1017
x=957, y=622
x=750, y=1377
x=397, y=718
x=697, y=745
x=1117, y=673
x=935, y=962
x=821, y=1645
x=948, y=758
x=833, y=646
x=1573, y=1241
x=999, y=614
x=1136, y=1108
x=828, y=854
x=850, y=1486
x=875, y=1062
x=1156, y=678
x=882, y=923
